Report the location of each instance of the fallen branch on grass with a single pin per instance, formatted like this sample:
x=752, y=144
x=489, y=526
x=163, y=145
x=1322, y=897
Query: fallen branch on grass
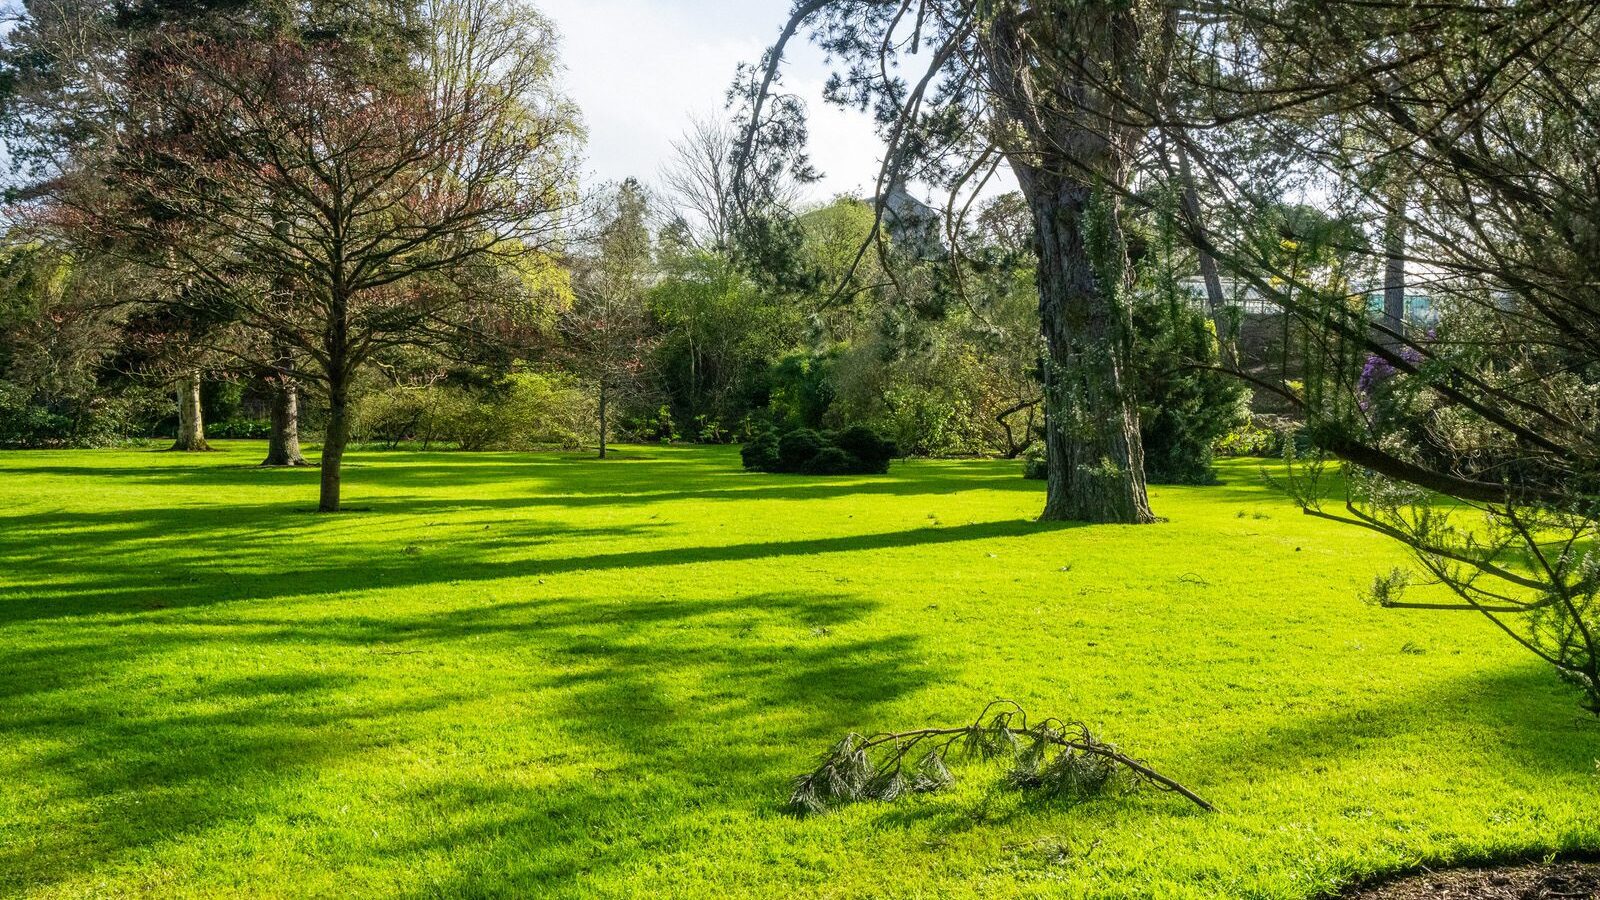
x=1063, y=760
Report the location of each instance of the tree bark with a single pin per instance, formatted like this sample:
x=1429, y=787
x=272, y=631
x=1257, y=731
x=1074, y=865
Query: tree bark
x=1216, y=302
x=1094, y=452
x=283, y=448
x=334, y=442
x=1394, y=266
x=283, y=445
x=603, y=400
x=191, y=424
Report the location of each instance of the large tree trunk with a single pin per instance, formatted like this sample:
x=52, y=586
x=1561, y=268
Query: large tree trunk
x=337, y=437
x=283, y=446
x=603, y=423
x=191, y=424
x=1071, y=140
x=1094, y=453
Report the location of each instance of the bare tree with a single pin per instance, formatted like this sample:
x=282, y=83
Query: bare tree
x=699, y=179
x=608, y=332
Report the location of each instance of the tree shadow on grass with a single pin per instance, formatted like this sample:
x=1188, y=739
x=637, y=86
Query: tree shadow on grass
x=1518, y=719
x=714, y=772
x=647, y=702
x=656, y=723
x=1515, y=721
x=565, y=481
x=117, y=771
x=75, y=564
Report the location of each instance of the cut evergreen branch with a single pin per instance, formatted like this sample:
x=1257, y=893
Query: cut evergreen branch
x=1063, y=760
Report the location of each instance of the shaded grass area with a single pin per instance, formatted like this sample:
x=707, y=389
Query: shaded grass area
x=546, y=675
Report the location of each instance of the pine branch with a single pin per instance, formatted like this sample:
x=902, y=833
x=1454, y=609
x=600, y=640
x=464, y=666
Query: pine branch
x=1061, y=759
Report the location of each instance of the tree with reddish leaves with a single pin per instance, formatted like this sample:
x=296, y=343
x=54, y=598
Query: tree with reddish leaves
x=327, y=204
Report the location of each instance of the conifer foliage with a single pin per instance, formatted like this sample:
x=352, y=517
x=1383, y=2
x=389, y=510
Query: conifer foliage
x=1062, y=760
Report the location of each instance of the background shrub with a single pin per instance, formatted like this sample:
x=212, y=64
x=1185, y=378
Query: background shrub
x=871, y=452
x=525, y=411
x=242, y=429
x=760, y=453
x=796, y=449
x=1183, y=409
x=1034, y=466
x=30, y=420
x=854, y=451
x=391, y=415
x=1250, y=439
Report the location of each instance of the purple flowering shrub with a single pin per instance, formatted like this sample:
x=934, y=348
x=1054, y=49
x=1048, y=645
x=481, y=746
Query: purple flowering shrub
x=1378, y=370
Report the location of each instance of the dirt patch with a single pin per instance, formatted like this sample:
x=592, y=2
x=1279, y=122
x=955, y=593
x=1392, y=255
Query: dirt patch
x=1566, y=881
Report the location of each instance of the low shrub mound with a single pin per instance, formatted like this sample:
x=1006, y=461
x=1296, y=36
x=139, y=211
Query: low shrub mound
x=797, y=449
x=760, y=453
x=853, y=451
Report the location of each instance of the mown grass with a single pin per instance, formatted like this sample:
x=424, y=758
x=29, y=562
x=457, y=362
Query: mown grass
x=549, y=676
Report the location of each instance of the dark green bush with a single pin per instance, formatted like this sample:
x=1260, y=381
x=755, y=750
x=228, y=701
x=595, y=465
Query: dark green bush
x=26, y=421
x=796, y=449
x=832, y=461
x=1184, y=408
x=760, y=453
x=854, y=451
x=870, y=452
x=25, y=425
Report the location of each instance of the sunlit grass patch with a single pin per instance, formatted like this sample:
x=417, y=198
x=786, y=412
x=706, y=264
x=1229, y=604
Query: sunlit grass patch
x=547, y=675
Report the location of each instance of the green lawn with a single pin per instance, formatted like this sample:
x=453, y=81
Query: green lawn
x=546, y=675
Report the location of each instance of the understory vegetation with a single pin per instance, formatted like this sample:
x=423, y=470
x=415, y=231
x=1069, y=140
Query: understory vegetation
x=854, y=451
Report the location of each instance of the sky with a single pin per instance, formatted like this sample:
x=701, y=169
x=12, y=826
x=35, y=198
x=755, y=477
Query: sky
x=639, y=69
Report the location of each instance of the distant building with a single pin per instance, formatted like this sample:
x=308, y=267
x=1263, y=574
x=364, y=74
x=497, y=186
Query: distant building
x=1420, y=309
x=913, y=226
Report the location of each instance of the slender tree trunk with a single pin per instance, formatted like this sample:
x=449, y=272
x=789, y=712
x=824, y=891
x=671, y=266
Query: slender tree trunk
x=337, y=433
x=283, y=446
x=1394, y=264
x=1216, y=302
x=1094, y=452
x=603, y=423
x=337, y=437
x=191, y=425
